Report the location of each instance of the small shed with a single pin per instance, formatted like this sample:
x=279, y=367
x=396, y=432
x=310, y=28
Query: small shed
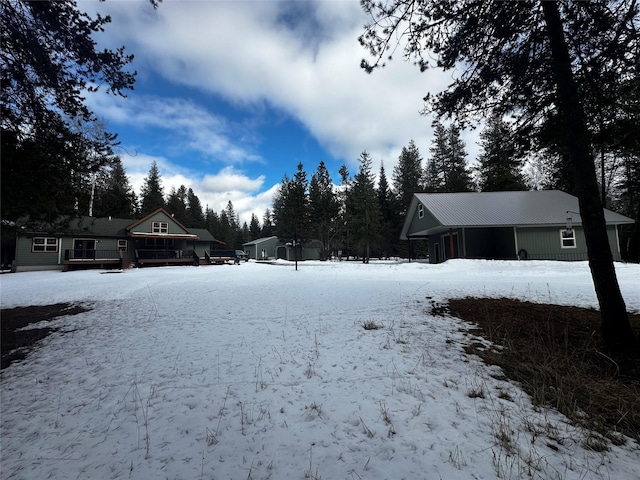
x=262, y=248
x=541, y=225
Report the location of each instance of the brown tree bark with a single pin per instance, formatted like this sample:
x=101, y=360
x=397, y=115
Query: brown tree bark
x=615, y=326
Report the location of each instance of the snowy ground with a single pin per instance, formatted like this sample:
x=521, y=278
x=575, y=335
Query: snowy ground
x=258, y=371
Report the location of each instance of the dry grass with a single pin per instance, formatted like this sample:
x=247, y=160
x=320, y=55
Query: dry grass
x=558, y=356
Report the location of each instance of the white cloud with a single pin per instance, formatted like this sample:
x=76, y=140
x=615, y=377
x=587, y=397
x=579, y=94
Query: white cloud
x=213, y=190
x=193, y=127
x=252, y=52
x=301, y=58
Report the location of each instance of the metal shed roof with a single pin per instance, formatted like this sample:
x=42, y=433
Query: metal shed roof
x=493, y=209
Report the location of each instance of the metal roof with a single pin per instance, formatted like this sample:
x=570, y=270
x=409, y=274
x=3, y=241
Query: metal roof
x=493, y=209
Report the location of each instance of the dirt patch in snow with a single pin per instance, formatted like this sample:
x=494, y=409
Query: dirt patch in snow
x=17, y=340
x=558, y=356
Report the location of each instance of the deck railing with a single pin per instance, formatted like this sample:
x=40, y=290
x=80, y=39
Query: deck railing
x=164, y=254
x=92, y=255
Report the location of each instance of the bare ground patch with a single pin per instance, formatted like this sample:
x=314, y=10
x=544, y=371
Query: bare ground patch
x=557, y=355
x=17, y=341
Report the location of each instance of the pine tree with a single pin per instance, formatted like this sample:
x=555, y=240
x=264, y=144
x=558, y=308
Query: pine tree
x=323, y=207
x=447, y=166
x=291, y=208
x=177, y=204
x=537, y=61
x=345, y=213
x=118, y=198
x=267, y=224
x=194, y=211
x=152, y=194
x=407, y=175
x=435, y=175
x=50, y=61
x=255, y=231
x=365, y=208
x=390, y=225
x=457, y=175
x=500, y=163
x=213, y=223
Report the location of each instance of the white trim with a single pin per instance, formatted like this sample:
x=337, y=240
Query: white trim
x=159, y=227
x=45, y=244
x=126, y=244
x=563, y=231
x=161, y=235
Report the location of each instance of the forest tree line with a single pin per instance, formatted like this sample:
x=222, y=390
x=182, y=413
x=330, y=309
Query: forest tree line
x=361, y=214
x=59, y=159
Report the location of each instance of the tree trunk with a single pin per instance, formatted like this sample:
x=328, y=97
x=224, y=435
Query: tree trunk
x=615, y=326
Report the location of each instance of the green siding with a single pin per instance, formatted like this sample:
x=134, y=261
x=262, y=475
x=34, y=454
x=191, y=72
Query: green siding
x=28, y=260
x=545, y=242
x=255, y=248
x=421, y=224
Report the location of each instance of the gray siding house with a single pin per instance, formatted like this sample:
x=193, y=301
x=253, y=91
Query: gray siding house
x=271, y=247
x=89, y=242
x=262, y=248
x=540, y=225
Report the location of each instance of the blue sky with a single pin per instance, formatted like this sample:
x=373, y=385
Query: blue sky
x=232, y=95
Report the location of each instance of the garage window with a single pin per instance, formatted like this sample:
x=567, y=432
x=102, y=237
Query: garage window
x=568, y=238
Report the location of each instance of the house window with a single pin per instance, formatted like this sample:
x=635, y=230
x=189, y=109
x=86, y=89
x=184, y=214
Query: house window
x=159, y=227
x=159, y=243
x=420, y=211
x=44, y=244
x=122, y=245
x=568, y=238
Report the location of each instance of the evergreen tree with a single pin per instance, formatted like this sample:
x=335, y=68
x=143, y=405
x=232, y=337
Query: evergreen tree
x=291, y=216
x=346, y=208
x=226, y=230
x=500, y=163
x=232, y=216
x=457, y=175
x=407, y=175
x=117, y=199
x=49, y=63
x=390, y=225
x=177, y=204
x=267, y=224
x=152, y=194
x=254, y=228
x=194, y=211
x=323, y=207
x=365, y=220
x=447, y=167
x=435, y=175
x=245, y=235
x=535, y=60
x=213, y=223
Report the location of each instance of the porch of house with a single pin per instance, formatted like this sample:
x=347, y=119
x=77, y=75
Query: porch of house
x=157, y=258
x=82, y=259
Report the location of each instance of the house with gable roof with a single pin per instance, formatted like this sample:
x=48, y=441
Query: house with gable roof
x=88, y=242
x=540, y=225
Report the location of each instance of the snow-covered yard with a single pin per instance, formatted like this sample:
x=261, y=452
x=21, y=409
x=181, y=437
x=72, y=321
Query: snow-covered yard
x=260, y=371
